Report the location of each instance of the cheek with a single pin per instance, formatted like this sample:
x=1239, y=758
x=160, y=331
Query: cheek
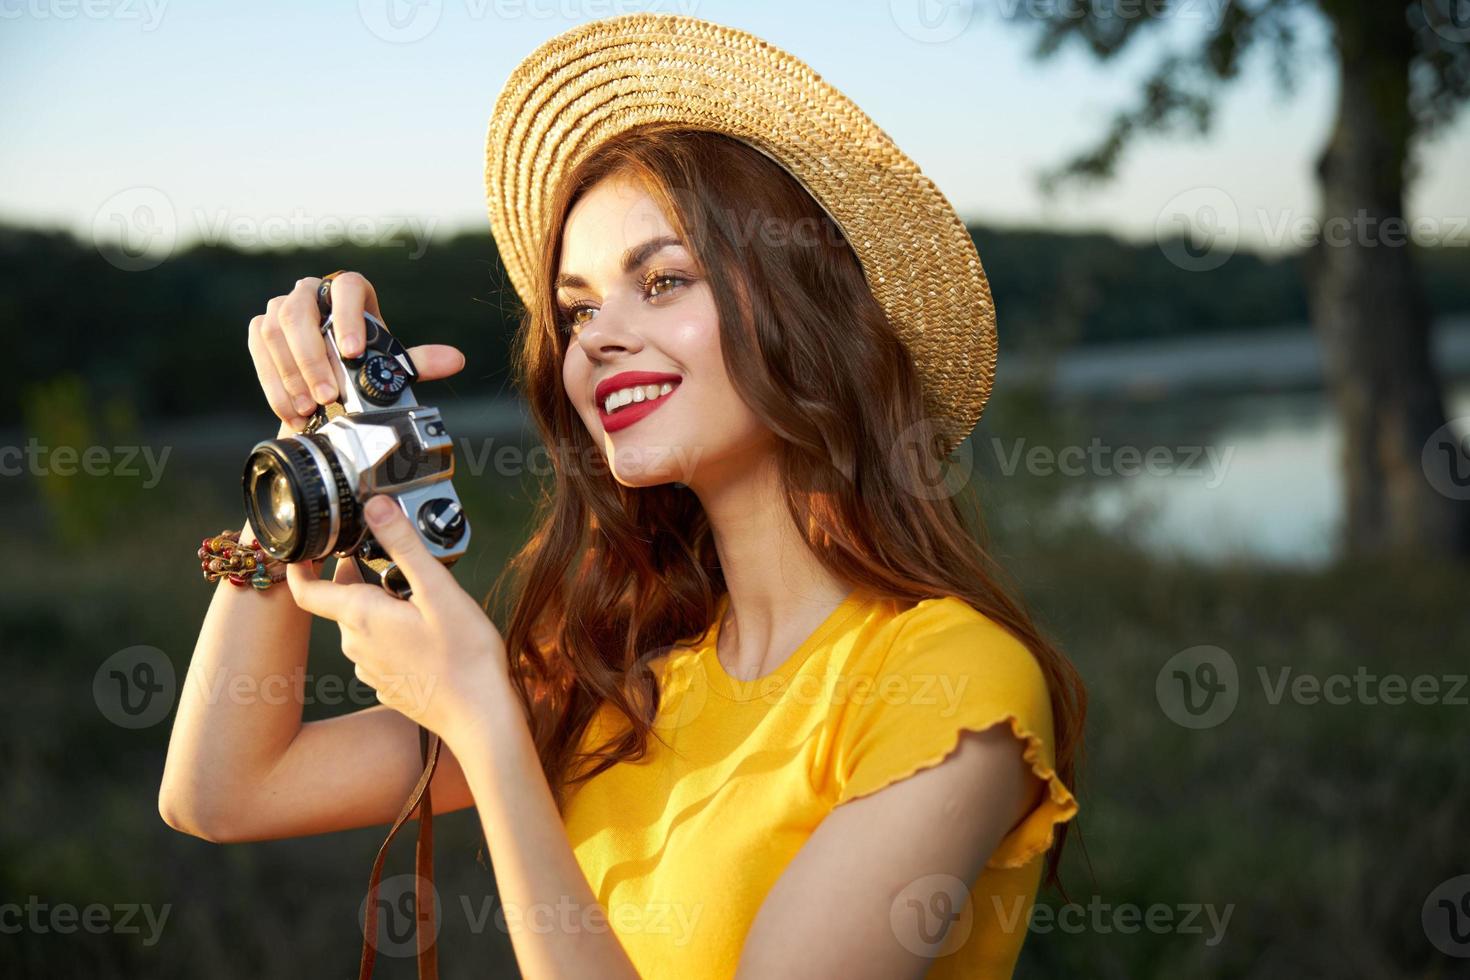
x=574, y=374
x=698, y=347
x=694, y=341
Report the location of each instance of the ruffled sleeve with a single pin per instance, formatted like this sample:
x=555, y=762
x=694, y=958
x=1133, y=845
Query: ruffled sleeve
x=949, y=669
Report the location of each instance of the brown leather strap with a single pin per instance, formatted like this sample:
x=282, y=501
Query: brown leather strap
x=428, y=948
x=428, y=951
x=424, y=910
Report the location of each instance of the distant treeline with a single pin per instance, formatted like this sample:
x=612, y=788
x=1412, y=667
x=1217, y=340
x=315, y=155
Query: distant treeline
x=170, y=340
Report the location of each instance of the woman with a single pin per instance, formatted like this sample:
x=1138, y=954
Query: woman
x=762, y=705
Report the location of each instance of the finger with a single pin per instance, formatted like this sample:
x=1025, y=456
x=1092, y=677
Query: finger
x=435, y=361
x=345, y=604
x=268, y=376
x=351, y=294
x=346, y=572
x=402, y=543
x=273, y=335
x=301, y=323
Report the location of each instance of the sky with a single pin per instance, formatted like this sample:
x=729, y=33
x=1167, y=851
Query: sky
x=271, y=122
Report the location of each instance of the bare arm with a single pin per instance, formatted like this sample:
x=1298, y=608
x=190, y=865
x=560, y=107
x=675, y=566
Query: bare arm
x=537, y=875
x=241, y=765
x=452, y=672
x=829, y=914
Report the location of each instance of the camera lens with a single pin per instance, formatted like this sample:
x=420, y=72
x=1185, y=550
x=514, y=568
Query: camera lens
x=297, y=499
x=280, y=516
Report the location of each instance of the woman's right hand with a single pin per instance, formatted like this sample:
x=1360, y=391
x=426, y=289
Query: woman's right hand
x=290, y=353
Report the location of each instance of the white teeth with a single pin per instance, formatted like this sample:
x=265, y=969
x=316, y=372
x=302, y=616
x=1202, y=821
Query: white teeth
x=639, y=393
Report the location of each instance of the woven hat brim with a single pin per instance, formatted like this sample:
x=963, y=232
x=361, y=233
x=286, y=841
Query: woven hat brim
x=605, y=77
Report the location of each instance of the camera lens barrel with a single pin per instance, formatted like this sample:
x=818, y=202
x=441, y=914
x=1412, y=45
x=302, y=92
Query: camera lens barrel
x=298, y=500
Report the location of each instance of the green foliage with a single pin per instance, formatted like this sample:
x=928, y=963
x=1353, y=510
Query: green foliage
x=1309, y=818
x=1052, y=291
x=1324, y=825
x=1420, y=40
x=75, y=455
x=171, y=340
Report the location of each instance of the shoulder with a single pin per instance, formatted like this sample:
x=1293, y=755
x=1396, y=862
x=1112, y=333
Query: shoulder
x=946, y=637
x=950, y=618
x=944, y=669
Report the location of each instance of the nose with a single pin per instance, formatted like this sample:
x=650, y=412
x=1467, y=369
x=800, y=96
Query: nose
x=608, y=332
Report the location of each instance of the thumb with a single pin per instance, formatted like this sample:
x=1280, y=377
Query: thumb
x=402, y=543
x=435, y=361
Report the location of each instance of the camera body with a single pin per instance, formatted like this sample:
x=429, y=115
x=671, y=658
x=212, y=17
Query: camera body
x=304, y=493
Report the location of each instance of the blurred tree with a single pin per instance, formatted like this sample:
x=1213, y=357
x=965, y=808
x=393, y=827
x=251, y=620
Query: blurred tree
x=75, y=448
x=1403, y=73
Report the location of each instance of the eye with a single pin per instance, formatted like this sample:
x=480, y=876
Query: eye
x=571, y=316
x=657, y=278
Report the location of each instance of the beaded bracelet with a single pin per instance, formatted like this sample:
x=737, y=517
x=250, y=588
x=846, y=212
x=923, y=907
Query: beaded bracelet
x=223, y=556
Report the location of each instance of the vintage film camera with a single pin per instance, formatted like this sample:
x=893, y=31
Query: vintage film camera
x=304, y=493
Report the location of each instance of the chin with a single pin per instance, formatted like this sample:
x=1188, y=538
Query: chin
x=641, y=481
x=636, y=465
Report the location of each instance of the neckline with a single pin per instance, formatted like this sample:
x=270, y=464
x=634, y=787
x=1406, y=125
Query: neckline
x=740, y=690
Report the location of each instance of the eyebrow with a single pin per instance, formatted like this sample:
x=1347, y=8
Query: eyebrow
x=632, y=259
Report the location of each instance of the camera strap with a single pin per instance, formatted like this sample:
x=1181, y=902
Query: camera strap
x=424, y=910
x=424, y=904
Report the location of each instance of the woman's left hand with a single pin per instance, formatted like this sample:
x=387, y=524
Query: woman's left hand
x=434, y=657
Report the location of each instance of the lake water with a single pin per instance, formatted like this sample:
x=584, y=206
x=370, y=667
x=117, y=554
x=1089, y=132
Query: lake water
x=1274, y=492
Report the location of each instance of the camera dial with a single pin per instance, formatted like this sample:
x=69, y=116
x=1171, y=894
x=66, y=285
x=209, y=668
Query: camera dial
x=442, y=520
x=381, y=379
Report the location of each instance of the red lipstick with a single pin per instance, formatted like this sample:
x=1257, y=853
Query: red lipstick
x=623, y=417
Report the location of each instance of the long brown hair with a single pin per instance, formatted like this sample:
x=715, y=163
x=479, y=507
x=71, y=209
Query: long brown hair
x=611, y=573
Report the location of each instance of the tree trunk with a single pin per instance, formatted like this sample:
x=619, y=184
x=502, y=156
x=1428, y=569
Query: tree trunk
x=1370, y=311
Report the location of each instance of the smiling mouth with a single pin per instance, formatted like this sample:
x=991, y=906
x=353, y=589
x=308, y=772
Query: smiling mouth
x=636, y=395
x=630, y=405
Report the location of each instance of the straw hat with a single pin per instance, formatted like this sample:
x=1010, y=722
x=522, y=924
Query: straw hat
x=607, y=76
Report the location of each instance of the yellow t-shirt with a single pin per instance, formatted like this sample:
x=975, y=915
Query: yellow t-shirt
x=682, y=847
